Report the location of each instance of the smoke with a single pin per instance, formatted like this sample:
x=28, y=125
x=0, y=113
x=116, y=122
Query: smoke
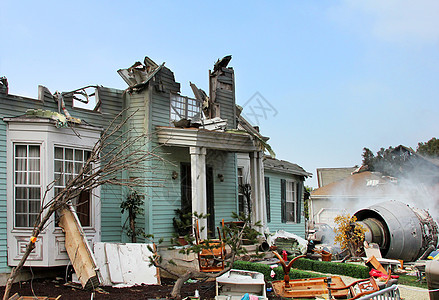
x=417, y=185
x=369, y=188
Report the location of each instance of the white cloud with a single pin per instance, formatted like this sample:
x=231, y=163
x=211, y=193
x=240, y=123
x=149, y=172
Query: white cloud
x=391, y=20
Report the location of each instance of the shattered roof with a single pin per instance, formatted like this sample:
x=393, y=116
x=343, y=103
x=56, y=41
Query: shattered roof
x=326, y=176
x=284, y=167
x=139, y=74
x=356, y=185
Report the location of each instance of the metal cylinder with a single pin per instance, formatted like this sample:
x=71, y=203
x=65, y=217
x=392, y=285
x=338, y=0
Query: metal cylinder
x=400, y=231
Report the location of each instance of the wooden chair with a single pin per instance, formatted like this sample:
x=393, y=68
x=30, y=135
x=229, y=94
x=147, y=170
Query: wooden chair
x=359, y=288
x=211, y=257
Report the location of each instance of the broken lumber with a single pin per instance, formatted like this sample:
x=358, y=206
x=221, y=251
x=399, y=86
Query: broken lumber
x=78, y=249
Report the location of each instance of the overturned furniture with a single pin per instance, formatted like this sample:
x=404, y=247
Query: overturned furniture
x=388, y=293
x=305, y=288
x=236, y=283
x=357, y=288
x=78, y=249
x=309, y=287
x=212, y=253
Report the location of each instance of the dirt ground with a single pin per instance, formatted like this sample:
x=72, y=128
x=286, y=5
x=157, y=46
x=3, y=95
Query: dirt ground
x=54, y=288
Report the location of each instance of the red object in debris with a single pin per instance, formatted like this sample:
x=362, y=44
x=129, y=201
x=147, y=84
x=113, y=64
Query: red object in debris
x=284, y=256
x=376, y=273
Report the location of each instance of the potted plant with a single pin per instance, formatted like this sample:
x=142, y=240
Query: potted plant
x=182, y=225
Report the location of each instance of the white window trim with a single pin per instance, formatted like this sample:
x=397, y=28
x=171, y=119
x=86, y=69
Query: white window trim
x=291, y=197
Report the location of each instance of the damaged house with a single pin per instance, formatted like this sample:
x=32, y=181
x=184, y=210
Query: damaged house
x=207, y=152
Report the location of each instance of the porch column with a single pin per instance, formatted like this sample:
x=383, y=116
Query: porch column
x=198, y=178
x=258, y=189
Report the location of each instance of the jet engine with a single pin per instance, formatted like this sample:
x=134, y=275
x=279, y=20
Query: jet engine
x=402, y=232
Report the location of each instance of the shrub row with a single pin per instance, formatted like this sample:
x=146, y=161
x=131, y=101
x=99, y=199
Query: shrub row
x=266, y=270
x=352, y=270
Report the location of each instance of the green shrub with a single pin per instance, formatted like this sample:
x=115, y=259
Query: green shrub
x=352, y=270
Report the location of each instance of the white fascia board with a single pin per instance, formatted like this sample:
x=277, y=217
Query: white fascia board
x=226, y=141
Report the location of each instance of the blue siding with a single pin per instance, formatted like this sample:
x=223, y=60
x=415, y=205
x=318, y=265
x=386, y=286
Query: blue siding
x=275, y=205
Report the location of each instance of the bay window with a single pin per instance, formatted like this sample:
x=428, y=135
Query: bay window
x=42, y=159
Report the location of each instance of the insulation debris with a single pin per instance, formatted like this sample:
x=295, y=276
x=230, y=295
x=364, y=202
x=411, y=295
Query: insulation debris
x=288, y=241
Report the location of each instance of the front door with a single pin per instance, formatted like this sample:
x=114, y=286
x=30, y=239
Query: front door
x=186, y=195
x=210, y=202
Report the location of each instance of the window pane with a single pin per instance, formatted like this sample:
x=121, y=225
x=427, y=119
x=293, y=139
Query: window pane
x=35, y=193
x=78, y=167
x=83, y=208
x=20, y=193
x=57, y=190
x=78, y=155
x=21, y=206
x=34, y=206
x=34, y=164
x=290, y=212
x=59, y=179
x=32, y=219
x=68, y=153
x=58, y=166
x=20, y=164
x=20, y=178
x=34, y=151
x=20, y=220
x=20, y=151
x=59, y=153
x=69, y=167
x=34, y=178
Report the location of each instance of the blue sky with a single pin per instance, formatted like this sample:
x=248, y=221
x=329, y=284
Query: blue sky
x=333, y=76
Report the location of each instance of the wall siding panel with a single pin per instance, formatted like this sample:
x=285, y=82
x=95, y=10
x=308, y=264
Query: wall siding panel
x=275, y=205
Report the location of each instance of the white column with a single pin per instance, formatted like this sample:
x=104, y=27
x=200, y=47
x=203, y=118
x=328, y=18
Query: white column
x=258, y=189
x=198, y=178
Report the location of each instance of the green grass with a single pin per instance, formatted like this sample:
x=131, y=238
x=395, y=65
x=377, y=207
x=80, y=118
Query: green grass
x=412, y=281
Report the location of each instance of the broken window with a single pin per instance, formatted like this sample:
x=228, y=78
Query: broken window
x=86, y=98
x=184, y=108
x=68, y=163
x=27, y=184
